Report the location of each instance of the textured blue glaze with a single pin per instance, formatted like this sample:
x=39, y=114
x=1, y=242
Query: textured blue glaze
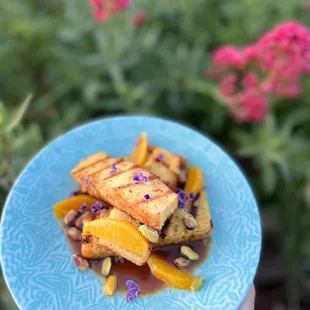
x=36, y=260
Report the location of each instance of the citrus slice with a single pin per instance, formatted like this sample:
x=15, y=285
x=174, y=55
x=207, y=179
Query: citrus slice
x=73, y=203
x=139, y=153
x=194, y=183
x=121, y=237
x=169, y=274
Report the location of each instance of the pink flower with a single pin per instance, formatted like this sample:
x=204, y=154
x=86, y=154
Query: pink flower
x=228, y=84
x=103, y=9
x=139, y=18
x=250, y=53
x=251, y=108
x=229, y=56
x=285, y=50
x=250, y=80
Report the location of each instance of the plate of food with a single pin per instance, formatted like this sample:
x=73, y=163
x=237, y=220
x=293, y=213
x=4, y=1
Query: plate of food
x=130, y=213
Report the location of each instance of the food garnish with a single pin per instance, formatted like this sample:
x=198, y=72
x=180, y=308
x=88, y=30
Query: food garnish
x=73, y=203
x=121, y=237
x=160, y=157
x=80, y=220
x=110, y=286
x=182, y=198
x=149, y=233
x=139, y=177
x=147, y=197
x=194, y=183
x=169, y=274
x=83, y=208
x=96, y=207
x=86, y=181
x=189, y=253
x=80, y=262
x=182, y=262
x=74, y=234
x=197, y=283
x=74, y=193
x=189, y=221
x=133, y=290
x=139, y=154
x=113, y=169
x=106, y=266
x=70, y=217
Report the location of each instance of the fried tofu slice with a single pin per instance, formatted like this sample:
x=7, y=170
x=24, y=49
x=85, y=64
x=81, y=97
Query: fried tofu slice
x=176, y=232
x=118, y=188
x=165, y=165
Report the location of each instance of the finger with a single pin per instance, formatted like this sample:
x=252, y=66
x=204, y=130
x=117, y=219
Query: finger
x=248, y=303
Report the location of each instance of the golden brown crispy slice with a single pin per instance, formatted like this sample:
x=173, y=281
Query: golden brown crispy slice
x=176, y=232
x=117, y=187
x=165, y=165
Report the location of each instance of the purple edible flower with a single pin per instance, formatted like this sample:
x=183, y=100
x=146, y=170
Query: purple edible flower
x=192, y=196
x=96, y=207
x=133, y=290
x=160, y=157
x=113, y=168
x=83, y=208
x=147, y=197
x=182, y=205
x=182, y=196
x=140, y=178
x=74, y=193
x=86, y=181
x=132, y=285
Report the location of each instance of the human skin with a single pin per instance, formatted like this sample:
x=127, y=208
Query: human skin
x=248, y=303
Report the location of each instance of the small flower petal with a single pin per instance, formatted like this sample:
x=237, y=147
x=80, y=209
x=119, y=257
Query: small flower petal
x=132, y=285
x=86, y=181
x=160, y=157
x=147, y=197
x=192, y=196
x=74, y=193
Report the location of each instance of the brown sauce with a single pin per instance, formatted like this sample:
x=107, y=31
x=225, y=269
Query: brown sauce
x=146, y=282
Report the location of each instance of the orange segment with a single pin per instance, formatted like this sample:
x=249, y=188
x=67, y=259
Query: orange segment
x=139, y=153
x=169, y=274
x=73, y=203
x=194, y=183
x=121, y=237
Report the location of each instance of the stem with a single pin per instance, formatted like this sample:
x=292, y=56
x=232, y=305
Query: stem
x=291, y=232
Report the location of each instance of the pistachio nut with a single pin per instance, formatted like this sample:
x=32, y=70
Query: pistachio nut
x=189, y=221
x=79, y=220
x=110, y=286
x=149, y=233
x=74, y=234
x=106, y=266
x=181, y=262
x=189, y=253
x=80, y=262
x=70, y=217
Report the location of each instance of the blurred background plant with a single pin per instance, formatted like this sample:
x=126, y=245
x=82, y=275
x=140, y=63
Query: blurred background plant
x=235, y=70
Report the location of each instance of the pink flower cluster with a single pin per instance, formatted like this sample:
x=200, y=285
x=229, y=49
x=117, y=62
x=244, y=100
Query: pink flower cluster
x=273, y=65
x=103, y=9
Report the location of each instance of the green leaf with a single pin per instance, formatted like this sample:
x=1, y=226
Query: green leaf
x=3, y=116
x=19, y=115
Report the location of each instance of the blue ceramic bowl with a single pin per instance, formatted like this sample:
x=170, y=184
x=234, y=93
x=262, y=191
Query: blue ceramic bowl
x=36, y=259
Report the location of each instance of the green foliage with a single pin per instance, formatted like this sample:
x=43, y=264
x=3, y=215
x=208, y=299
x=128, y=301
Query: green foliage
x=78, y=69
